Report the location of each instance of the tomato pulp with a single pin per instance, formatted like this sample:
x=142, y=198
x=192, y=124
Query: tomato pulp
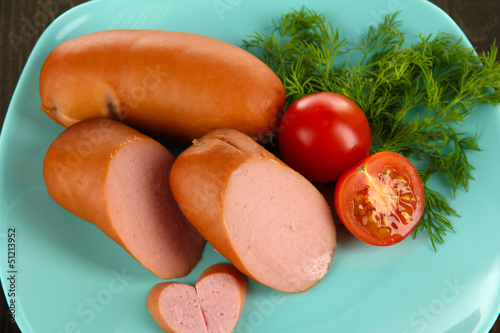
x=322, y=135
x=381, y=199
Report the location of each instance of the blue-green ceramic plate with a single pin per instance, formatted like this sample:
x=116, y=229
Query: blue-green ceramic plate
x=69, y=277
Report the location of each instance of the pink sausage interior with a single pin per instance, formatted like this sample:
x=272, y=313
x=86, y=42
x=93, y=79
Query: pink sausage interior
x=179, y=302
x=280, y=225
x=144, y=211
x=220, y=301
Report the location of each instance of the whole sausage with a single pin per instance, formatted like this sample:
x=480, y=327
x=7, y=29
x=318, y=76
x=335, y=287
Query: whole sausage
x=169, y=85
x=266, y=219
x=117, y=178
x=213, y=305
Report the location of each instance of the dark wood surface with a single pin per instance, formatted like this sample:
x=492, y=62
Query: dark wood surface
x=22, y=22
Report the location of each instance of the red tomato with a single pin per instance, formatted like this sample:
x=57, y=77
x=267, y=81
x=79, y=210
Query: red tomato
x=381, y=199
x=322, y=135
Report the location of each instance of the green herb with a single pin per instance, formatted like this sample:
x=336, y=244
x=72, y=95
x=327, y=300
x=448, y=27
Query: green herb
x=415, y=95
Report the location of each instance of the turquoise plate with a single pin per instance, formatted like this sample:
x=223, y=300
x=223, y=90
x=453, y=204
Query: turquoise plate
x=68, y=277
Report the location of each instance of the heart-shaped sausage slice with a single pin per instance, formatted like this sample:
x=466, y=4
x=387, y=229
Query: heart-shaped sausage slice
x=175, y=308
x=213, y=306
x=221, y=290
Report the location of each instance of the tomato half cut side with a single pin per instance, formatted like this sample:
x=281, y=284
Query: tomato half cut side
x=381, y=199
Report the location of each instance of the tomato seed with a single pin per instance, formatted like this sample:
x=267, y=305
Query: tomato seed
x=407, y=197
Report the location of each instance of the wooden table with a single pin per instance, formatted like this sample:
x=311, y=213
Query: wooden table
x=479, y=19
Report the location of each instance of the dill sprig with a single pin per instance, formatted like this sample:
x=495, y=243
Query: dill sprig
x=415, y=95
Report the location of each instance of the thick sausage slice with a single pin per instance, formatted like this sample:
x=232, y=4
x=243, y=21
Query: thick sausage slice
x=117, y=178
x=166, y=84
x=265, y=218
x=212, y=306
x=221, y=290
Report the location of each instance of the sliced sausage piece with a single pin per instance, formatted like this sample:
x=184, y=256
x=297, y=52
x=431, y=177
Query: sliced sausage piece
x=221, y=290
x=176, y=308
x=266, y=219
x=117, y=178
x=212, y=306
x=166, y=84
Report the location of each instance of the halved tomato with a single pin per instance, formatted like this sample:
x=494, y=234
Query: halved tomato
x=381, y=199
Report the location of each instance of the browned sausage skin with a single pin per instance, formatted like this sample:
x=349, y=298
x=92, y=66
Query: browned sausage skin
x=117, y=178
x=265, y=218
x=172, y=85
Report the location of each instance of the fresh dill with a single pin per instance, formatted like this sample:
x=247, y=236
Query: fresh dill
x=415, y=95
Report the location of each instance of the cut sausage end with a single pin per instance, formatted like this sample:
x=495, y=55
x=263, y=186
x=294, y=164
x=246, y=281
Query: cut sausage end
x=280, y=225
x=266, y=219
x=145, y=213
x=117, y=179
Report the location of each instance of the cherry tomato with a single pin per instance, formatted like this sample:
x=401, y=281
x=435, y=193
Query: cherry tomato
x=322, y=135
x=381, y=199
